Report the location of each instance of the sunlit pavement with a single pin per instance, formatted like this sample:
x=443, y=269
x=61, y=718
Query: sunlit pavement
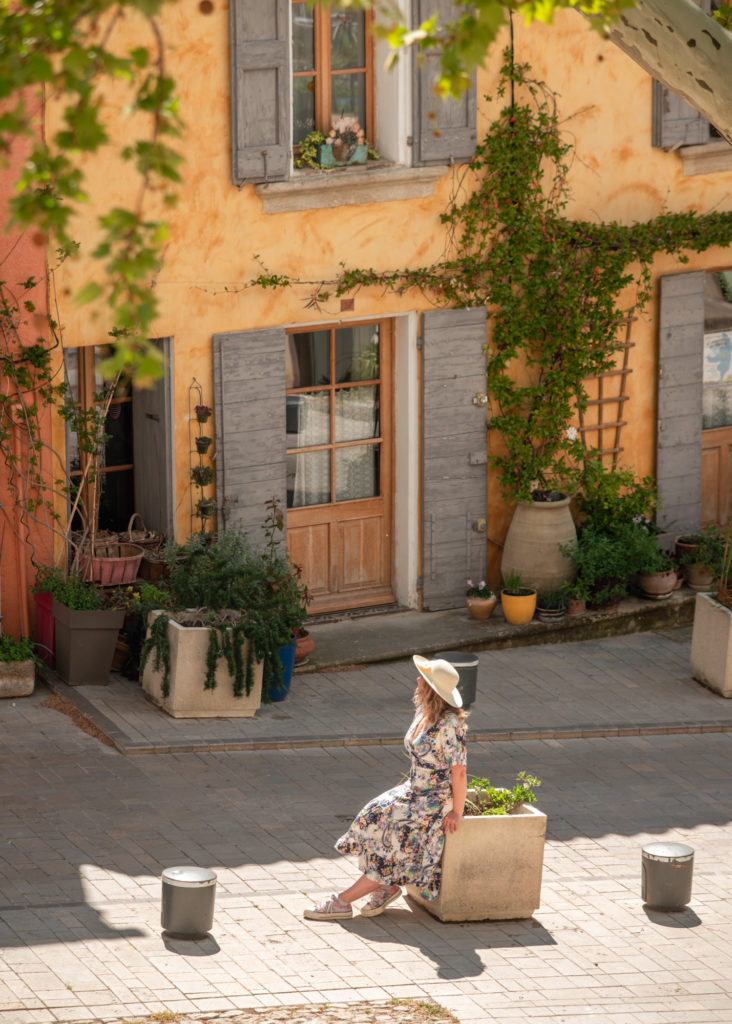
x=85, y=833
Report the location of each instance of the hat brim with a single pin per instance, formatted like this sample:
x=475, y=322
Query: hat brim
x=451, y=697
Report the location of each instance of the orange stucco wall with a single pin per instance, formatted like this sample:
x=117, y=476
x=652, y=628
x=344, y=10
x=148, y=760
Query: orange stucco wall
x=217, y=229
x=22, y=542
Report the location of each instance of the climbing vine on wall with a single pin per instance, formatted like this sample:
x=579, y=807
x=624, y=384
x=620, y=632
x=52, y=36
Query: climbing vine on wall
x=552, y=284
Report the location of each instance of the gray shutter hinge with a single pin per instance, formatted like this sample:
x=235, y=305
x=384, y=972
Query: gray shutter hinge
x=420, y=342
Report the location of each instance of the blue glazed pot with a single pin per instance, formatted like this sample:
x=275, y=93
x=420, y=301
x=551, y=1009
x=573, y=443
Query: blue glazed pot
x=358, y=155
x=287, y=657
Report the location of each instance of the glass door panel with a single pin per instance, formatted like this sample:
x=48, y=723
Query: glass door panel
x=357, y=413
x=357, y=472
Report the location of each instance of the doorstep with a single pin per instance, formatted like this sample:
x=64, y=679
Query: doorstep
x=370, y=638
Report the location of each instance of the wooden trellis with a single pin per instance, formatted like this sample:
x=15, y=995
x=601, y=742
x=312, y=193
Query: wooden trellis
x=607, y=400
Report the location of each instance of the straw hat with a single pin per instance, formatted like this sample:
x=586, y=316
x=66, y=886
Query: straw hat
x=442, y=677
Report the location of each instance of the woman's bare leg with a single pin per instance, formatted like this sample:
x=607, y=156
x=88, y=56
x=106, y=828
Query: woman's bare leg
x=358, y=890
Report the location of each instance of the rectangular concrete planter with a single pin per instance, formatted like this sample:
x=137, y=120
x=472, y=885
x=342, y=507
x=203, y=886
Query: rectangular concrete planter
x=187, y=697
x=491, y=868
x=85, y=643
x=17, y=678
x=711, y=644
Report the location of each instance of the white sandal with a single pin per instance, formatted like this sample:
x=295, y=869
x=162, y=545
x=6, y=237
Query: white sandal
x=380, y=900
x=329, y=910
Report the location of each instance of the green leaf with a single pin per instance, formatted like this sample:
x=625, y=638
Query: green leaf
x=90, y=291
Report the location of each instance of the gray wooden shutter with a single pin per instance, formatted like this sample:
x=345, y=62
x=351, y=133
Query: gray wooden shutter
x=152, y=442
x=680, y=358
x=453, y=454
x=260, y=90
x=249, y=398
x=443, y=131
x=676, y=123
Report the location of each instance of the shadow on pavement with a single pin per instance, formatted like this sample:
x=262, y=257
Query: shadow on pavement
x=453, y=961
x=673, y=919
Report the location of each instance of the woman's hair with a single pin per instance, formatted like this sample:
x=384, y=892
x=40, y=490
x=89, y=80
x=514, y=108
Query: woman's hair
x=433, y=704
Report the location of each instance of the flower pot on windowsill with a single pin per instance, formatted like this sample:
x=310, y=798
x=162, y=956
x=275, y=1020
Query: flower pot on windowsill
x=335, y=156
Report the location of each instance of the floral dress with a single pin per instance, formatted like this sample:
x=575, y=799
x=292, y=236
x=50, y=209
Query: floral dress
x=398, y=836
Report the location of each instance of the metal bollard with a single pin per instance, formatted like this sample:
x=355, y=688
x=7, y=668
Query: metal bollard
x=467, y=669
x=667, y=871
x=188, y=901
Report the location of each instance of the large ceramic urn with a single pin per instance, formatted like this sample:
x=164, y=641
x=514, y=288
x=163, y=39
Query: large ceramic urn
x=532, y=547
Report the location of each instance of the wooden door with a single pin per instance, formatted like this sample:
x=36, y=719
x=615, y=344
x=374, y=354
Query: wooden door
x=716, y=476
x=339, y=462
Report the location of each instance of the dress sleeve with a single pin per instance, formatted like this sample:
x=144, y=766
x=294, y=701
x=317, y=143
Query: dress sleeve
x=450, y=742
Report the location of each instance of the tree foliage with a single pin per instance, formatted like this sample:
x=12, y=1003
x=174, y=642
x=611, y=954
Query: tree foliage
x=69, y=53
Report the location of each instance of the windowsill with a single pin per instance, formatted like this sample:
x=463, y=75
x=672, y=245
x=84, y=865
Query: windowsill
x=348, y=186
x=707, y=158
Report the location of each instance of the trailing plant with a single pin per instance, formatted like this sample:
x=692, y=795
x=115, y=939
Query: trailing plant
x=551, y=285
x=486, y=799
x=16, y=650
x=308, y=151
x=222, y=582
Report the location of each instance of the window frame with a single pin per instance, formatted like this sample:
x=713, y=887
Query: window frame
x=322, y=72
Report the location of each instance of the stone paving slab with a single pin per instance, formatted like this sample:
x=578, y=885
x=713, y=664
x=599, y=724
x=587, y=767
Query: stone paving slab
x=620, y=685
x=85, y=834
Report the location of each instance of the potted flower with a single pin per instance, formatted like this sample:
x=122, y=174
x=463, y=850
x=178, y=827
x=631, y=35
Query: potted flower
x=203, y=443
x=203, y=413
x=492, y=865
x=517, y=601
x=345, y=143
x=480, y=600
x=202, y=476
x=17, y=667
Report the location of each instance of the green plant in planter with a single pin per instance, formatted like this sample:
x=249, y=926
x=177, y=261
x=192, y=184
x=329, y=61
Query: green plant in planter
x=202, y=476
x=488, y=800
x=16, y=650
x=552, y=600
x=241, y=594
x=650, y=558
x=73, y=590
x=513, y=586
x=308, y=151
x=612, y=497
x=708, y=551
x=604, y=563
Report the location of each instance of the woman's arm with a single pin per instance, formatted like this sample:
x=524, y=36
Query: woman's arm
x=459, y=782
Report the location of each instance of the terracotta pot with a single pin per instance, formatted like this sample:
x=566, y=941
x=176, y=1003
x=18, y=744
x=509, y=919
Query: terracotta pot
x=657, y=586
x=304, y=646
x=576, y=606
x=481, y=607
x=531, y=549
x=698, y=576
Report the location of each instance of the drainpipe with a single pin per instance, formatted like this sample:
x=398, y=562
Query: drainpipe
x=21, y=555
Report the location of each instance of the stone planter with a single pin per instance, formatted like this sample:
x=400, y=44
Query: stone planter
x=187, y=697
x=17, y=678
x=491, y=868
x=711, y=644
x=537, y=530
x=85, y=643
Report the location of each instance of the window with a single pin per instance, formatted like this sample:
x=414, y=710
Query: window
x=116, y=468
x=333, y=379
x=332, y=69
